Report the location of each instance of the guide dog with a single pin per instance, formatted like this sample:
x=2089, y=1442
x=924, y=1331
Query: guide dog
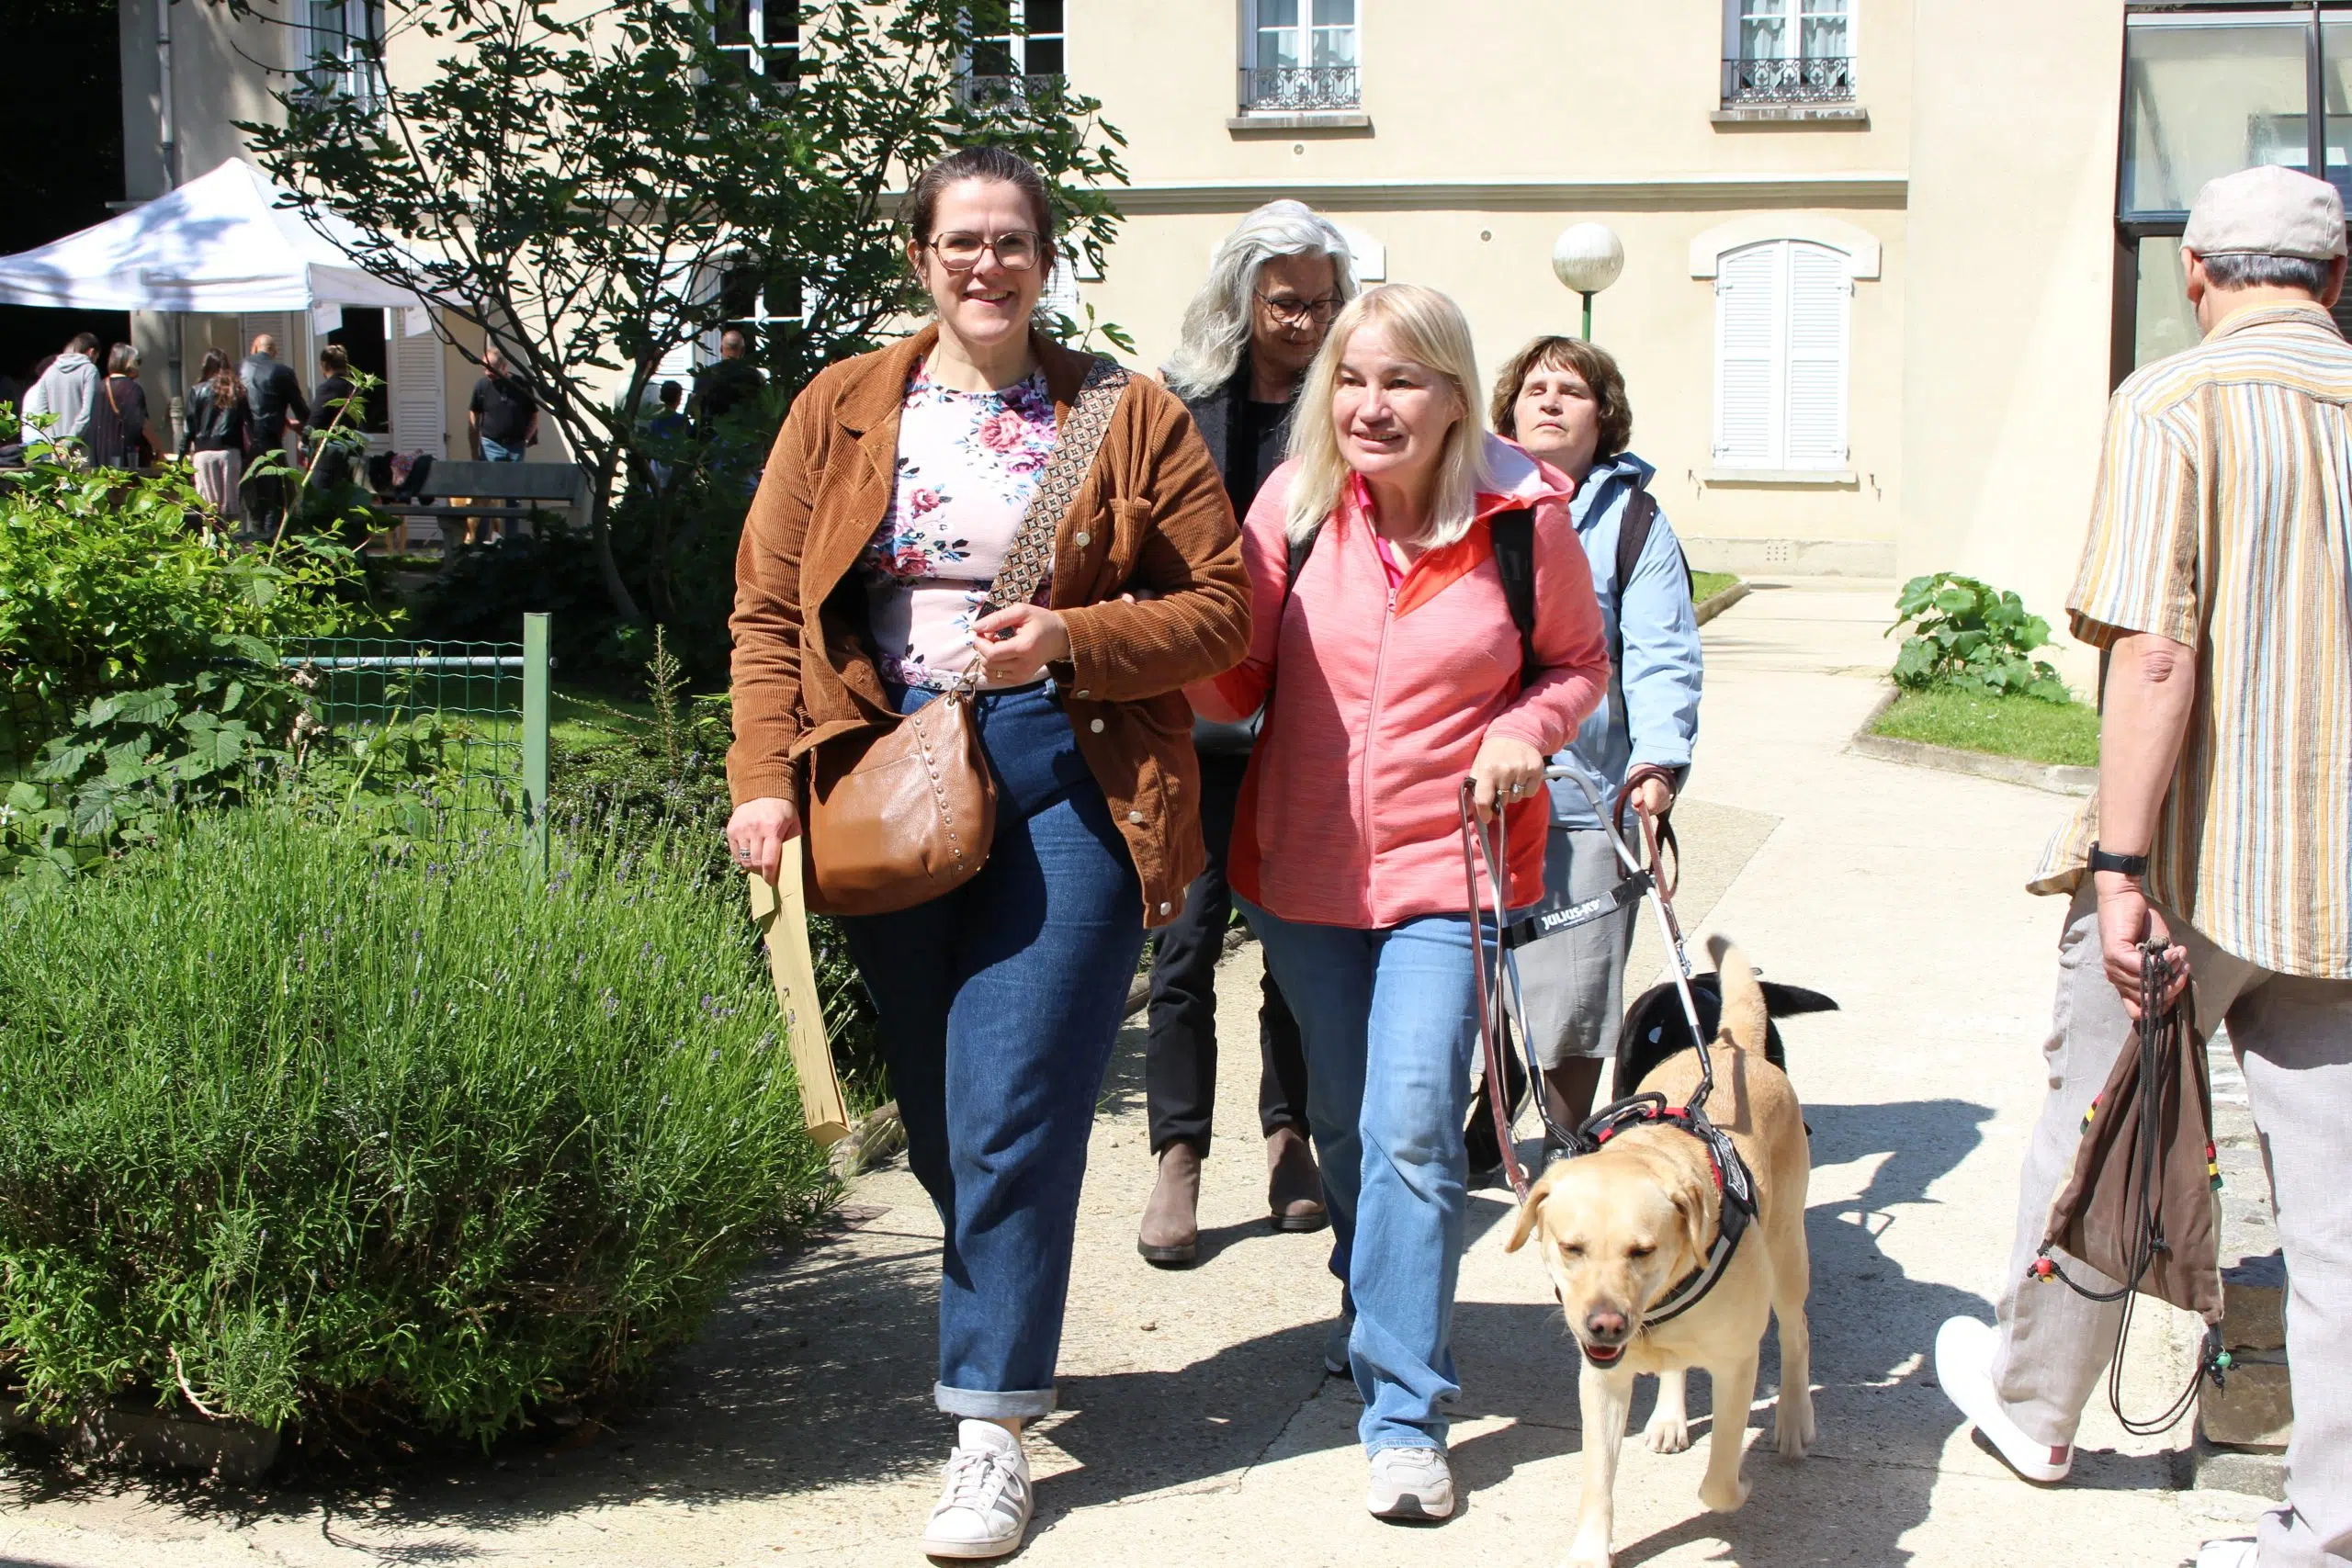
x=1620, y=1227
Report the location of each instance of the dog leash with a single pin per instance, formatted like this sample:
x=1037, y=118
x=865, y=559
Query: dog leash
x=2160, y=1036
x=1501, y=1008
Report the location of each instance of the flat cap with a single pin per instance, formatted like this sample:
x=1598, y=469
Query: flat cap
x=2267, y=211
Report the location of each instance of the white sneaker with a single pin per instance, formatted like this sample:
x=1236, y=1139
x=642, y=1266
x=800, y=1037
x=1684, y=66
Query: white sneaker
x=1411, y=1484
x=984, y=1506
x=1964, y=1367
x=2234, y=1553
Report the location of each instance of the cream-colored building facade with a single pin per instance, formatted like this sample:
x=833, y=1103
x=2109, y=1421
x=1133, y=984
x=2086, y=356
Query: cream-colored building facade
x=1884, y=259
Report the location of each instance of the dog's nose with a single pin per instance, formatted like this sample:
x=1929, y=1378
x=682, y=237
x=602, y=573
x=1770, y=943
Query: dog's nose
x=1606, y=1327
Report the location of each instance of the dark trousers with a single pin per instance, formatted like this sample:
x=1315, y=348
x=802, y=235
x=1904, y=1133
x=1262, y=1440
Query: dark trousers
x=1180, y=1052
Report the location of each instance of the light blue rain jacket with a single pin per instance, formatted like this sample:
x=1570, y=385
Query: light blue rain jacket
x=1652, y=714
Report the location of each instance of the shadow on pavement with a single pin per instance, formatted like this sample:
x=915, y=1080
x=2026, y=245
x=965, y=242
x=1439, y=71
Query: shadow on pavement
x=818, y=1372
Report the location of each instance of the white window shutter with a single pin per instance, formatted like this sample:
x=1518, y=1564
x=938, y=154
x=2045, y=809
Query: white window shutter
x=420, y=405
x=1748, y=371
x=1819, y=292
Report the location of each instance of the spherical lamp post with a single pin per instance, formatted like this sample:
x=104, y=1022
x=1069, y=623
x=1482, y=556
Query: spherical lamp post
x=1587, y=258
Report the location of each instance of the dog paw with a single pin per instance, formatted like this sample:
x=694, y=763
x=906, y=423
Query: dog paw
x=1583, y=1556
x=1667, y=1434
x=1792, y=1430
x=1723, y=1499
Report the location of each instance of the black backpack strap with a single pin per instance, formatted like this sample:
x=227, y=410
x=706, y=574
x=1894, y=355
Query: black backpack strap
x=1633, y=538
x=1514, y=536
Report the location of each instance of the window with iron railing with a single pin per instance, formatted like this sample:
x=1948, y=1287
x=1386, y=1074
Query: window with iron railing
x=1790, y=51
x=1300, y=57
x=1018, y=54
x=763, y=34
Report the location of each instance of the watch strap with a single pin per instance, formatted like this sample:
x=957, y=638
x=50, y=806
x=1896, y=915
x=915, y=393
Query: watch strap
x=2129, y=865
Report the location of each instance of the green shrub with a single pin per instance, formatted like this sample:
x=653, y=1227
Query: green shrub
x=106, y=587
x=1973, y=637
x=669, y=777
x=362, y=1145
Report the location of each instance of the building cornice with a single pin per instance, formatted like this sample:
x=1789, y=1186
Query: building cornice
x=1867, y=188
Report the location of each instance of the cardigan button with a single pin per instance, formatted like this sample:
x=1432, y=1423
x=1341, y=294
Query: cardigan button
x=1135, y=816
x=1083, y=540
x=1096, y=727
x=1081, y=692
x=1163, y=905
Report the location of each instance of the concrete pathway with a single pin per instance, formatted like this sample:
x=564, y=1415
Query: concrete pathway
x=1196, y=1424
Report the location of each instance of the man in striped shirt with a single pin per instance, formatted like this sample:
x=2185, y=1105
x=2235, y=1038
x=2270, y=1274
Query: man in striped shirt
x=2215, y=579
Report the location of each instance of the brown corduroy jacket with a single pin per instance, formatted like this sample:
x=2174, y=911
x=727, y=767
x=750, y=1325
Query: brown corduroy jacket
x=1152, y=513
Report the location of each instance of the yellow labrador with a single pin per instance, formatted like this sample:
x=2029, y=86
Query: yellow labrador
x=1620, y=1228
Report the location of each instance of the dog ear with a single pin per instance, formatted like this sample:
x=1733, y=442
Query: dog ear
x=1693, y=1216
x=1524, y=1225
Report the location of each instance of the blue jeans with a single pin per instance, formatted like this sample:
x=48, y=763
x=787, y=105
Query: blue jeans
x=1390, y=1023
x=997, y=1004
x=499, y=452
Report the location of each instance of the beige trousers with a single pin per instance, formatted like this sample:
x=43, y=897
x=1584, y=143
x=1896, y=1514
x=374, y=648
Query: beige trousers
x=2293, y=1041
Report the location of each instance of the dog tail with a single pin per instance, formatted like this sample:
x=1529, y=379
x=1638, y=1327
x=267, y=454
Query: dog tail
x=1745, y=1015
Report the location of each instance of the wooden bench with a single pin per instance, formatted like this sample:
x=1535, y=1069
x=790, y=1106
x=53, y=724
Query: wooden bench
x=526, y=490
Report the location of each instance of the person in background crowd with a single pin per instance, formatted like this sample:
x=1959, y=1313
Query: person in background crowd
x=216, y=416
x=2214, y=578
x=667, y=426
x=728, y=383
x=64, y=392
x=857, y=580
x=1564, y=400
x=1392, y=669
x=118, y=431
x=502, y=421
x=1247, y=339
x=670, y=422
x=341, y=408
x=275, y=414
x=503, y=416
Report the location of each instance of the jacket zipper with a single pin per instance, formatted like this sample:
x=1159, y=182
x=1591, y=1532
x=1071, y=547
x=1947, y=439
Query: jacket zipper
x=1371, y=736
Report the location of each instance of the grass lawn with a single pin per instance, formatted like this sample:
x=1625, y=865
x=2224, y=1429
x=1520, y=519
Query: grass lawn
x=1705, y=585
x=2008, y=726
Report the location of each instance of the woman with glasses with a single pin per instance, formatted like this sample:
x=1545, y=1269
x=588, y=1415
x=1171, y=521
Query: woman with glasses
x=894, y=492
x=1247, y=340
x=1391, y=669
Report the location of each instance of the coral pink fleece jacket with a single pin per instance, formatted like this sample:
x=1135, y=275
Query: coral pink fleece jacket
x=1350, y=814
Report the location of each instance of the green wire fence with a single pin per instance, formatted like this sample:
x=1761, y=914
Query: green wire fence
x=493, y=700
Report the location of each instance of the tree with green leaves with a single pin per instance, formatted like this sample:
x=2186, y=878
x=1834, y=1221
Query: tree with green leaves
x=594, y=186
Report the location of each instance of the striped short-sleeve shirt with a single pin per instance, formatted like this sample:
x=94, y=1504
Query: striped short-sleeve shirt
x=2224, y=521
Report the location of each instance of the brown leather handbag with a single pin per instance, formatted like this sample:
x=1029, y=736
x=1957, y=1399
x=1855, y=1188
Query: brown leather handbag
x=897, y=817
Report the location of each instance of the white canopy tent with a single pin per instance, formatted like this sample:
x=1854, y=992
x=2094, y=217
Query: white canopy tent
x=219, y=245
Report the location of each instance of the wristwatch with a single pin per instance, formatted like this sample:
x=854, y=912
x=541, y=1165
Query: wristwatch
x=2129, y=865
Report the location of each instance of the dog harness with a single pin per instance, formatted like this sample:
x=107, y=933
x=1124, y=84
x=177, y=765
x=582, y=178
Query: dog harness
x=1500, y=1011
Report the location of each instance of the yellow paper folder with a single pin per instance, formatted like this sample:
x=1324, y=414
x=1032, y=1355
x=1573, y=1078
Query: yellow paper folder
x=782, y=914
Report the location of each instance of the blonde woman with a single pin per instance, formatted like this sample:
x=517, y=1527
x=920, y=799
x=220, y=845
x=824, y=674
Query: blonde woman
x=1392, y=668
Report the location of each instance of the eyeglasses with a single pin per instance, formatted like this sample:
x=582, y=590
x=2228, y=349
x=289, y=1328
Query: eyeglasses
x=1016, y=249
x=1292, y=312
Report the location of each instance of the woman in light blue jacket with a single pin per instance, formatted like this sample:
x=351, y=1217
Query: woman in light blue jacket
x=1564, y=400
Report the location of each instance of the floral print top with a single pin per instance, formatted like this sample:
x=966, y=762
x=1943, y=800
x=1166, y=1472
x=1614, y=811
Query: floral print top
x=968, y=463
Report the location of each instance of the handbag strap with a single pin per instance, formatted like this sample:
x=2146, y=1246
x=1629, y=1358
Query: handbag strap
x=1032, y=554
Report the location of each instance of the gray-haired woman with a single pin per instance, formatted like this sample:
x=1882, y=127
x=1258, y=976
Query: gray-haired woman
x=1247, y=340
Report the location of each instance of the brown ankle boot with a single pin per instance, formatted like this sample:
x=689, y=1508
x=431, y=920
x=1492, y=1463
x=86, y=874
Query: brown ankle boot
x=1293, y=1187
x=1171, y=1233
